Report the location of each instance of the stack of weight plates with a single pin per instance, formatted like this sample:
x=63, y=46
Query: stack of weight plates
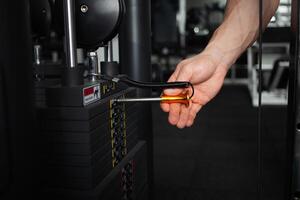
x=127, y=181
x=78, y=141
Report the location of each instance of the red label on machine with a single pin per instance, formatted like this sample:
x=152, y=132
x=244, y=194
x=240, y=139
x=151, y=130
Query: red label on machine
x=88, y=91
x=91, y=94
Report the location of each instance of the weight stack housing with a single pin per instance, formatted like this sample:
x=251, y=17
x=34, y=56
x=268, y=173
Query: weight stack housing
x=93, y=152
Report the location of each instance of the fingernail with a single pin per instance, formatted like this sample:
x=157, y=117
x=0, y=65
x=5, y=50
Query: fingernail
x=173, y=120
x=180, y=126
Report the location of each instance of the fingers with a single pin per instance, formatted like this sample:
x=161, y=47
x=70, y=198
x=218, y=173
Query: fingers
x=188, y=115
x=165, y=107
x=179, y=115
x=174, y=113
x=184, y=116
x=201, y=72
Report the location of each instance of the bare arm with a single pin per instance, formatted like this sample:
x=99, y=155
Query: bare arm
x=239, y=29
x=207, y=70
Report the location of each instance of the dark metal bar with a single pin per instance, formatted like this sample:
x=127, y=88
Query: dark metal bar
x=135, y=60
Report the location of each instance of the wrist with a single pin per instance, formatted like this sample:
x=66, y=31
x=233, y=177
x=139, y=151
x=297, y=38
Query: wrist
x=225, y=48
x=220, y=57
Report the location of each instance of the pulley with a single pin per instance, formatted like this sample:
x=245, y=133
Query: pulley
x=97, y=21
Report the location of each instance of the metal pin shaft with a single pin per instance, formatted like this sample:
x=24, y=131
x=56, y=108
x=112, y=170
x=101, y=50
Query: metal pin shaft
x=179, y=99
x=138, y=100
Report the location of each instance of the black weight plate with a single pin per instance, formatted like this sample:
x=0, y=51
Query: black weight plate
x=41, y=18
x=97, y=21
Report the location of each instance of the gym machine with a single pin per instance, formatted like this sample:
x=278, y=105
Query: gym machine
x=90, y=146
x=93, y=142
x=67, y=128
x=72, y=164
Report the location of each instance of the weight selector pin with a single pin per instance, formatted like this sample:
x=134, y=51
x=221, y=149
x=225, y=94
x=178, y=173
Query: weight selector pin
x=182, y=99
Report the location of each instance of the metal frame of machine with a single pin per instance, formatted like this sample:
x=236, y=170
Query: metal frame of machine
x=18, y=130
x=72, y=133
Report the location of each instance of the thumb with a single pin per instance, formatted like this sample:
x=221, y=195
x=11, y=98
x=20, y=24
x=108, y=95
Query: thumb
x=173, y=92
x=185, y=74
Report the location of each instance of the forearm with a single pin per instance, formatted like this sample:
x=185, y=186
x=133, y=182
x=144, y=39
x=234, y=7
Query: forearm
x=239, y=29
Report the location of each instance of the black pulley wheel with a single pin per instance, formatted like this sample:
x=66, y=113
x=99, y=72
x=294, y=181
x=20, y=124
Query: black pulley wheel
x=97, y=21
x=41, y=18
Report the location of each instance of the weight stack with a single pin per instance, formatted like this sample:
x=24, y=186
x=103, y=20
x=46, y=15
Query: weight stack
x=83, y=146
x=127, y=181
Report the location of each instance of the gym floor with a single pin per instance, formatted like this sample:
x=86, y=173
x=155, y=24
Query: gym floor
x=217, y=157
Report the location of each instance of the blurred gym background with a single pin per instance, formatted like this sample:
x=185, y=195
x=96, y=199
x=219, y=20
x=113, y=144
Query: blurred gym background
x=217, y=157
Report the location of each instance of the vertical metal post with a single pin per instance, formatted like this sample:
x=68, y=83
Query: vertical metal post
x=135, y=61
x=93, y=65
x=72, y=75
x=70, y=34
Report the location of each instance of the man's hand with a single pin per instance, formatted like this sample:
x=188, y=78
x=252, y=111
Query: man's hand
x=207, y=75
x=207, y=70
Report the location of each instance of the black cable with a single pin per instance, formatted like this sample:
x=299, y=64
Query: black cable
x=162, y=85
x=259, y=134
